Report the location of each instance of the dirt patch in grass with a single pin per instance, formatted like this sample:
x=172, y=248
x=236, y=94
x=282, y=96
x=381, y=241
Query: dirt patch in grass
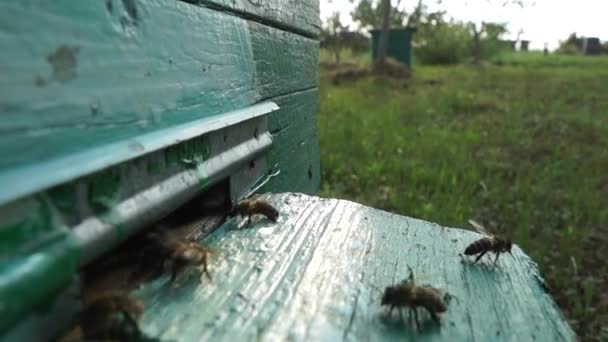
x=350, y=72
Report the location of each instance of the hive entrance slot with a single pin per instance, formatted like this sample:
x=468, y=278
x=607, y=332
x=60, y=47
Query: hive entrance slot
x=120, y=268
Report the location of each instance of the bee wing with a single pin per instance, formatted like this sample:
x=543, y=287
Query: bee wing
x=478, y=227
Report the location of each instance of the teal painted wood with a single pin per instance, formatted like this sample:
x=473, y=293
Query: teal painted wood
x=91, y=74
x=299, y=15
x=19, y=182
x=100, y=197
x=38, y=259
x=295, y=151
x=95, y=72
x=45, y=237
x=318, y=274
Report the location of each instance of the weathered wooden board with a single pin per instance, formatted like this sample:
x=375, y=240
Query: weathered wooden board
x=78, y=74
x=318, y=274
x=298, y=15
x=295, y=151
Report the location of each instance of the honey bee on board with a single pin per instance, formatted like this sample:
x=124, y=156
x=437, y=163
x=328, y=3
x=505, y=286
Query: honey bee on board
x=111, y=315
x=251, y=207
x=181, y=253
x=408, y=294
x=490, y=243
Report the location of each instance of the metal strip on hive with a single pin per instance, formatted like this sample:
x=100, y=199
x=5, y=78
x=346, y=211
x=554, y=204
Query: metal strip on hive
x=249, y=140
x=24, y=181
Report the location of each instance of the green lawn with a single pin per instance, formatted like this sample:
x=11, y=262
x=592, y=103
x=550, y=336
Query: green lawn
x=522, y=148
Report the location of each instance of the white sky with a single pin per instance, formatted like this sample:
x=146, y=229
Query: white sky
x=543, y=21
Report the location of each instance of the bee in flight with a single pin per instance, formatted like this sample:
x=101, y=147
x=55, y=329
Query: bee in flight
x=250, y=207
x=489, y=243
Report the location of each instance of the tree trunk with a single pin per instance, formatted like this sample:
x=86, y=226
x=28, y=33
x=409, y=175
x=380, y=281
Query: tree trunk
x=337, y=52
x=476, y=44
x=383, y=42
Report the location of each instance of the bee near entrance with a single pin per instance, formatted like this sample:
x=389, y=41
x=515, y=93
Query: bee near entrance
x=164, y=248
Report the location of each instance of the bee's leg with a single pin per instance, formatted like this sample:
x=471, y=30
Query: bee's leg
x=390, y=310
x=411, y=315
x=433, y=315
x=205, y=269
x=479, y=256
x=497, y=255
x=131, y=322
x=248, y=220
x=416, y=318
x=177, y=267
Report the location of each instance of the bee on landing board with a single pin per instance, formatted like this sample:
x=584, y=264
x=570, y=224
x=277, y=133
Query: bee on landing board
x=111, y=315
x=408, y=294
x=490, y=243
x=250, y=208
x=181, y=253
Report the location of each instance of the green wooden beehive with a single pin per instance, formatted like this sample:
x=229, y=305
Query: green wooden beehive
x=399, y=44
x=114, y=113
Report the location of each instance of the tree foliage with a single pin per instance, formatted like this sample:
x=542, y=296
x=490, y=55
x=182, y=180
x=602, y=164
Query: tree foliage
x=332, y=35
x=438, y=39
x=572, y=45
x=369, y=14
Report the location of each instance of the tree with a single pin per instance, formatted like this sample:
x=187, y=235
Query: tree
x=485, y=37
x=332, y=35
x=370, y=14
x=489, y=32
x=383, y=41
x=380, y=14
x=572, y=45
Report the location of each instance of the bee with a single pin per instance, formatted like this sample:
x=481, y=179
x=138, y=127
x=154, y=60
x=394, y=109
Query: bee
x=180, y=252
x=253, y=207
x=408, y=294
x=111, y=315
x=490, y=243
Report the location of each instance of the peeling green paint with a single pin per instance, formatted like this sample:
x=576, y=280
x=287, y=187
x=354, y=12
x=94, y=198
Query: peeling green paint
x=111, y=98
x=190, y=153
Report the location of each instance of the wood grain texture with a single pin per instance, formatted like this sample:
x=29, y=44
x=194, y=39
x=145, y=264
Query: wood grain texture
x=95, y=72
x=298, y=15
x=295, y=150
x=318, y=273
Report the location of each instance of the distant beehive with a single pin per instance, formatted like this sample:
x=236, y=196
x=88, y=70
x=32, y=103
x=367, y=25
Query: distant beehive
x=399, y=44
x=592, y=46
x=523, y=45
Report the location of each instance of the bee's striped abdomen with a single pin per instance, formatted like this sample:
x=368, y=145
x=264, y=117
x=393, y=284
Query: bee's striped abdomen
x=478, y=246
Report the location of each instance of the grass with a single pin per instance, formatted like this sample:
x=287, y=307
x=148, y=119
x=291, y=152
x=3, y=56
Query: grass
x=522, y=148
x=538, y=60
